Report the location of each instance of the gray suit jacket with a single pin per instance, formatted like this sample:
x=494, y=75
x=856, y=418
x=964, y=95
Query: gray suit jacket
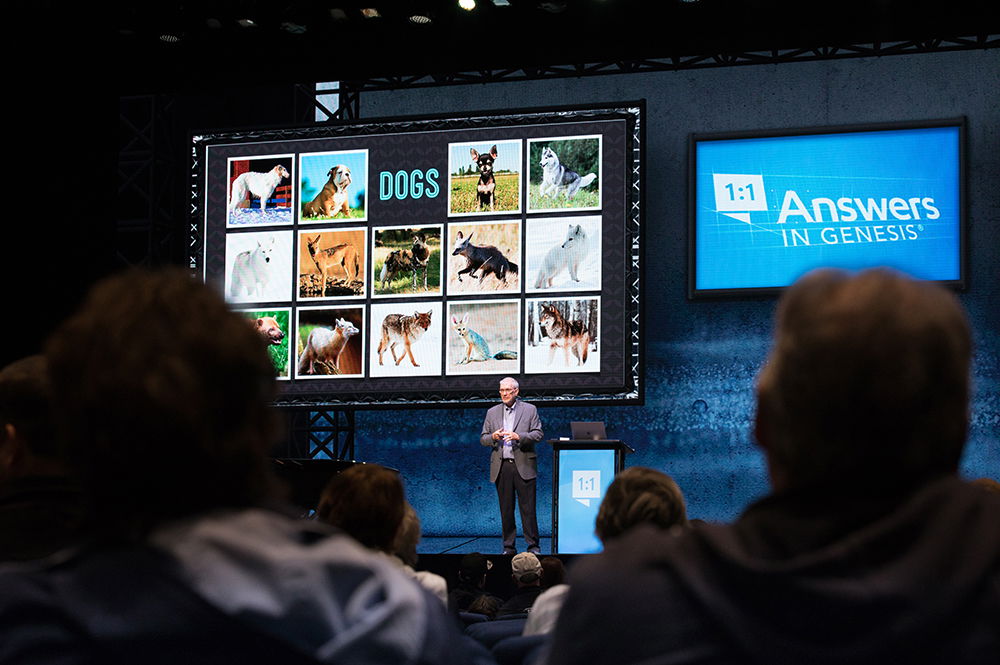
x=528, y=426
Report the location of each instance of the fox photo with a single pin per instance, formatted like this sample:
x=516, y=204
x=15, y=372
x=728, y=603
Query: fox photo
x=333, y=186
x=258, y=266
x=332, y=263
x=484, y=177
x=329, y=342
x=564, y=173
x=561, y=336
x=484, y=337
x=563, y=254
x=274, y=328
x=406, y=260
x=260, y=191
x=405, y=339
x=484, y=257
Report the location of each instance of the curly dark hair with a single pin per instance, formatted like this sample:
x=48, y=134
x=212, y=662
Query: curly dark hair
x=163, y=397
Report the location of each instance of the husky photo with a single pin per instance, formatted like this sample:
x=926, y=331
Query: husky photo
x=406, y=260
x=484, y=177
x=258, y=266
x=563, y=254
x=484, y=257
x=561, y=336
x=484, y=337
x=260, y=191
x=564, y=173
x=405, y=339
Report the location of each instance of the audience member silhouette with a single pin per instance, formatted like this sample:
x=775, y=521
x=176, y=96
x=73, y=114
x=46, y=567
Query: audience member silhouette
x=471, y=583
x=869, y=548
x=637, y=495
x=163, y=396
x=42, y=508
x=526, y=570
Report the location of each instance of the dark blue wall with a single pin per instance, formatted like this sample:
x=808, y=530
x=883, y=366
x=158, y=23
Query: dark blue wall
x=701, y=357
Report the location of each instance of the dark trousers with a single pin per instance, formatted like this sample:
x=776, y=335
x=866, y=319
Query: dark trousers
x=510, y=485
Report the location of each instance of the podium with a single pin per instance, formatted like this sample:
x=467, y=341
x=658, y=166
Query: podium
x=582, y=471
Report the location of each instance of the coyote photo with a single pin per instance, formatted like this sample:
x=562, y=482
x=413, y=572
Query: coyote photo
x=405, y=330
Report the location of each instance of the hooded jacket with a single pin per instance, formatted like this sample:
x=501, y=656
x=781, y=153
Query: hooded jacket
x=803, y=577
x=249, y=586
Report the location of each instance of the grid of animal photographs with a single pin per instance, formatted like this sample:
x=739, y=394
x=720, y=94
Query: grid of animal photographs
x=333, y=186
x=405, y=339
x=564, y=173
x=406, y=261
x=329, y=343
x=426, y=284
x=274, y=327
x=258, y=266
x=563, y=254
x=484, y=177
x=260, y=191
x=562, y=336
x=332, y=263
x=484, y=338
x=485, y=257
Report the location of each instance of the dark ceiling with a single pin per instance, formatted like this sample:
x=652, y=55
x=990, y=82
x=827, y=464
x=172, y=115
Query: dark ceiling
x=302, y=41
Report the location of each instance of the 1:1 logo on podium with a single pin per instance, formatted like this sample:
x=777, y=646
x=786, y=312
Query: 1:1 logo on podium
x=586, y=485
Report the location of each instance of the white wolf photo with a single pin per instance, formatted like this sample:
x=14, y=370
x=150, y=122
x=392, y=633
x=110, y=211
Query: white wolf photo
x=258, y=266
x=564, y=254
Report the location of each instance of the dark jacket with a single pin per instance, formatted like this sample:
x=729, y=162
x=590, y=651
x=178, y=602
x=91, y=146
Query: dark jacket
x=799, y=578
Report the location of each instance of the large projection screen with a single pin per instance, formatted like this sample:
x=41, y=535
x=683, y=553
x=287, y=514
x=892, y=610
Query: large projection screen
x=416, y=261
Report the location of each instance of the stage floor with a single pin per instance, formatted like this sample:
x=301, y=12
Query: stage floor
x=466, y=544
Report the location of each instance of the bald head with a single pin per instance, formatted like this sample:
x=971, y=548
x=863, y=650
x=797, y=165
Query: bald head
x=867, y=381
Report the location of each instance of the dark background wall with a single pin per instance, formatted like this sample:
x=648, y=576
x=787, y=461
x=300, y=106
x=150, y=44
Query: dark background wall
x=701, y=357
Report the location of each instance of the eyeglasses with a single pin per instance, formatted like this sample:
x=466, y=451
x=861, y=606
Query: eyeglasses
x=508, y=390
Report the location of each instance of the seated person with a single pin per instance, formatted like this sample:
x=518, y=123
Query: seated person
x=42, y=508
x=869, y=549
x=527, y=573
x=163, y=397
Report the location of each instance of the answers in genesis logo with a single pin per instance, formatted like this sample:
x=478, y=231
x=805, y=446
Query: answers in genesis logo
x=820, y=220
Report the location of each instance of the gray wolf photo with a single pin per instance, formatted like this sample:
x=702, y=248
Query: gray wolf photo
x=562, y=335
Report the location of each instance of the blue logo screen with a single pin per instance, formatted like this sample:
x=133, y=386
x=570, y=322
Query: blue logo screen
x=770, y=209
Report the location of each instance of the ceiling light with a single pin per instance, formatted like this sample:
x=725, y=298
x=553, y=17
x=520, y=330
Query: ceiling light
x=370, y=12
x=293, y=28
x=338, y=14
x=467, y=5
x=169, y=38
x=246, y=23
x=420, y=19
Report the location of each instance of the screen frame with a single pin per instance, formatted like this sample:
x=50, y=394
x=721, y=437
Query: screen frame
x=630, y=392
x=694, y=139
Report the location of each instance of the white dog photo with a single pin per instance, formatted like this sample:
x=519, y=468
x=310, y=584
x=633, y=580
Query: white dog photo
x=249, y=193
x=259, y=266
x=564, y=254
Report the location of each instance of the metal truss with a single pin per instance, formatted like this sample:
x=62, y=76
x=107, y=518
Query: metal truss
x=307, y=102
x=320, y=434
x=764, y=57
x=146, y=204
